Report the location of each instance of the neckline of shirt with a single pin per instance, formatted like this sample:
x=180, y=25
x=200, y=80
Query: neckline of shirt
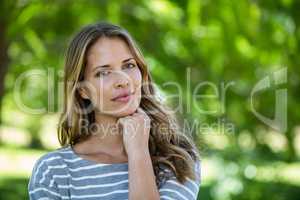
x=92, y=161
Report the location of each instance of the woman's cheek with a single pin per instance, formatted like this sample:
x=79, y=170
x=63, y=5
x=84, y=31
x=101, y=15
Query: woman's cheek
x=106, y=92
x=137, y=81
x=136, y=76
x=99, y=93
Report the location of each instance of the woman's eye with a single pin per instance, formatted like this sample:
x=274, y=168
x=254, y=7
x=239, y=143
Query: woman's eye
x=130, y=65
x=102, y=73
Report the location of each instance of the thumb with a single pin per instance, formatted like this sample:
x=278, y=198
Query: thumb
x=120, y=124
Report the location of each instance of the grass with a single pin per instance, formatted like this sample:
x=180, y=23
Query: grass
x=17, y=162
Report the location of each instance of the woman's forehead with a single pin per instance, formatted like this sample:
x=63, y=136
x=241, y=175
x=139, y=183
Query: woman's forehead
x=106, y=50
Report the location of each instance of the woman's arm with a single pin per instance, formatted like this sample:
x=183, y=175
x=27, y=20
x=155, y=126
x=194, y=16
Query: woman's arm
x=142, y=183
x=136, y=128
x=39, y=186
x=141, y=177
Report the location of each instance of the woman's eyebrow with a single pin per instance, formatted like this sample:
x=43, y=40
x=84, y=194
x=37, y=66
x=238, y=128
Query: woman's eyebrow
x=107, y=66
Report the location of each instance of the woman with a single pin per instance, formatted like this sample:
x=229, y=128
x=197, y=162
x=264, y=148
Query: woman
x=118, y=141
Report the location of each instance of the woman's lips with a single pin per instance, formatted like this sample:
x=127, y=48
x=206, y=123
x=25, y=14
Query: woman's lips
x=123, y=99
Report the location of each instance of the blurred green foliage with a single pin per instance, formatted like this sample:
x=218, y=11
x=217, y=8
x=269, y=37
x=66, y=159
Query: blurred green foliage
x=221, y=41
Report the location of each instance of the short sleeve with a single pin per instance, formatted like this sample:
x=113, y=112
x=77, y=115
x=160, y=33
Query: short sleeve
x=40, y=186
x=174, y=190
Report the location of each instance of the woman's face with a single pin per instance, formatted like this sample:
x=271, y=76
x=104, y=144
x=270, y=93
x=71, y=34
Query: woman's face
x=111, y=70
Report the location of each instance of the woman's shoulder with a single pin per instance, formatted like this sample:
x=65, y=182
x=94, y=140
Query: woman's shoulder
x=167, y=173
x=189, y=189
x=46, y=164
x=42, y=182
x=54, y=157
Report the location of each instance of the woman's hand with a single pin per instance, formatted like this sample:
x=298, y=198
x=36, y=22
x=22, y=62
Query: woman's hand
x=136, y=129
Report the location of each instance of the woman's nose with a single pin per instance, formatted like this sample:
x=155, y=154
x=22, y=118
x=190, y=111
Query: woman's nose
x=123, y=83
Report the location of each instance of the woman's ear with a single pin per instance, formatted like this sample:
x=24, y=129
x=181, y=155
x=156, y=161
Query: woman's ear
x=83, y=93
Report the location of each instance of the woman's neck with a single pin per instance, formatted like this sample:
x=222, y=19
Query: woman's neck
x=106, y=138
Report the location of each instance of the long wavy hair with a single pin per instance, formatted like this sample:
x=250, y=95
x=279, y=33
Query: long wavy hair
x=168, y=145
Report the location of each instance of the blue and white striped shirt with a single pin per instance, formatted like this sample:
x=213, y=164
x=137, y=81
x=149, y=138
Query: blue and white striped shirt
x=62, y=174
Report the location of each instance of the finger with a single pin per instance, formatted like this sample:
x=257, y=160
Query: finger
x=139, y=109
x=141, y=113
x=121, y=120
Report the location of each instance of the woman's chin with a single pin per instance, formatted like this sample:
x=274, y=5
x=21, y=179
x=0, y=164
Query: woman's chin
x=123, y=110
x=126, y=112
x=127, y=109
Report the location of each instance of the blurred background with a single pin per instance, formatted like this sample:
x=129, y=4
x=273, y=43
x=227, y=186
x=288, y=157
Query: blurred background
x=250, y=144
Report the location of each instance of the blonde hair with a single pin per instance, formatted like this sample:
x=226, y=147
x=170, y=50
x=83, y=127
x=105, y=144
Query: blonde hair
x=168, y=146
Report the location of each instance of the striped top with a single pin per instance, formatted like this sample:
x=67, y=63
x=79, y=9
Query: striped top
x=62, y=174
